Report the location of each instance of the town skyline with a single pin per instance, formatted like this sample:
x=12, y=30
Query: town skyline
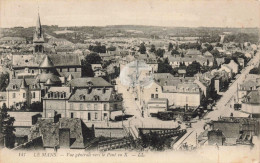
x=230, y=14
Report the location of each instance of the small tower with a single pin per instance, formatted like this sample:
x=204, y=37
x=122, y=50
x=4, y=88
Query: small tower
x=24, y=91
x=38, y=39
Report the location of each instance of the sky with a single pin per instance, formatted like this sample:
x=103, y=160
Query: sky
x=176, y=13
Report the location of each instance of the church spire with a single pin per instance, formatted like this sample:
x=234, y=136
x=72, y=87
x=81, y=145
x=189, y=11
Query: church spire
x=38, y=39
x=38, y=26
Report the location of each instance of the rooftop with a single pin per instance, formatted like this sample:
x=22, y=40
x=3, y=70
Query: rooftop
x=89, y=82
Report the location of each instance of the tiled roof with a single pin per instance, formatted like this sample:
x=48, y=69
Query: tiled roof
x=12, y=38
x=207, y=53
x=43, y=78
x=50, y=131
x=65, y=59
x=167, y=79
x=46, y=63
x=32, y=60
x=95, y=94
x=32, y=83
x=60, y=90
x=27, y=60
x=193, y=52
x=89, y=81
x=253, y=97
x=248, y=84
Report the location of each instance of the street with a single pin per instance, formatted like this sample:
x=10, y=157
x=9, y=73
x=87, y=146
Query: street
x=223, y=106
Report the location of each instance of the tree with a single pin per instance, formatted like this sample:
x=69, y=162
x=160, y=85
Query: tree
x=164, y=67
x=111, y=48
x=4, y=81
x=174, y=51
x=142, y=48
x=160, y=52
x=92, y=58
x=87, y=69
x=193, y=68
x=170, y=47
x=152, y=50
x=6, y=127
x=98, y=48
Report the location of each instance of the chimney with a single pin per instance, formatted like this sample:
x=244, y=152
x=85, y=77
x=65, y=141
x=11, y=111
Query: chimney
x=64, y=137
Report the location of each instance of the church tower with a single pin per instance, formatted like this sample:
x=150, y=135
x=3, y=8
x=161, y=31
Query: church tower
x=38, y=39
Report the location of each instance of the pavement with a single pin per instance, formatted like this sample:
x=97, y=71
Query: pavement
x=132, y=107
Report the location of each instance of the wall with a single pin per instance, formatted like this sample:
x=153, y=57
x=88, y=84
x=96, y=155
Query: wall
x=58, y=105
x=94, y=111
x=192, y=99
x=251, y=108
x=106, y=132
x=66, y=73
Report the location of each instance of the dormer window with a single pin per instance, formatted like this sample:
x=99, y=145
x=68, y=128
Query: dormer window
x=96, y=98
x=89, y=83
x=14, y=86
x=82, y=97
x=55, y=95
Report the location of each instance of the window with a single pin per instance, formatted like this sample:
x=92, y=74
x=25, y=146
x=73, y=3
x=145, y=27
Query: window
x=89, y=116
x=82, y=97
x=49, y=95
x=156, y=95
x=152, y=95
x=96, y=115
x=105, y=107
x=81, y=106
x=33, y=95
x=13, y=95
x=88, y=107
x=71, y=115
x=156, y=89
x=24, y=95
x=105, y=115
x=96, y=98
x=14, y=86
x=60, y=69
x=32, y=71
x=75, y=69
x=68, y=69
x=95, y=106
x=71, y=106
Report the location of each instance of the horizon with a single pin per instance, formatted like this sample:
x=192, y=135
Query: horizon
x=187, y=13
x=104, y=26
